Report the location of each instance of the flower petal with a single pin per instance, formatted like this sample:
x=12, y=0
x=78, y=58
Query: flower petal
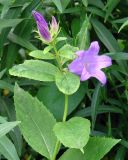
x=85, y=75
x=44, y=32
x=80, y=53
x=76, y=67
x=54, y=25
x=40, y=19
x=94, y=48
x=104, y=61
x=100, y=76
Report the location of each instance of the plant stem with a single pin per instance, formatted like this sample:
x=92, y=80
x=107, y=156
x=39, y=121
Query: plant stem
x=65, y=108
x=58, y=144
x=57, y=56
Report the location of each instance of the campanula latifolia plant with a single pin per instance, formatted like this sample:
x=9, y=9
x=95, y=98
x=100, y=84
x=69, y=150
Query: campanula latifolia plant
x=66, y=66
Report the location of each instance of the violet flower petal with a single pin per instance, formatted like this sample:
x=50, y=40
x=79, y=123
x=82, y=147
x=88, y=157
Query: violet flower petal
x=103, y=61
x=44, y=32
x=94, y=48
x=40, y=19
x=100, y=76
x=80, y=53
x=54, y=25
x=85, y=75
x=76, y=67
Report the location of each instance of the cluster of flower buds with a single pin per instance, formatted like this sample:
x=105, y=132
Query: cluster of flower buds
x=47, y=34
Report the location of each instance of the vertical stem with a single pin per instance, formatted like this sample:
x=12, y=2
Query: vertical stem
x=65, y=108
x=57, y=56
x=58, y=144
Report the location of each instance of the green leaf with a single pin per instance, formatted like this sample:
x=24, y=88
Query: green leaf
x=67, y=52
x=2, y=73
x=85, y=2
x=73, y=133
x=118, y=55
x=6, y=85
x=98, y=3
x=59, y=39
x=86, y=112
x=6, y=127
x=47, y=49
x=5, y=23
x=7, y=149
x=67, y=82
x=6, y=2
x=110, y=6
x=35, y=69
x=3, y=119
x=123, y=25
x=41, y=55
x=99, y=146
x=21, y=41
x=96, y=11
x=36, y=122
x=75, y=26
x=61, y=4
x=95, y=103
x=105, y=36
x=83, y=36
x=57, y=99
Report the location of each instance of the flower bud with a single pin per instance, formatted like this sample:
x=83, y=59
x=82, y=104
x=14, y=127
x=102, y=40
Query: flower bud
x=54, y=25
x=42, y=26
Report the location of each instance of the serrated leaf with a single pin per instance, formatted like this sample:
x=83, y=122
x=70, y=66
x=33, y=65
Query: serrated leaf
x=41, y=55
x=35, y=69
x=73, y=133
x=99, y=146
x=67, y=82
x=6, y=127
x=7, y=149
x=36, y=122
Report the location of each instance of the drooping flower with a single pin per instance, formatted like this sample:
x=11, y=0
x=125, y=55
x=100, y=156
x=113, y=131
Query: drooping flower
x=89, y=64
x=43, y=28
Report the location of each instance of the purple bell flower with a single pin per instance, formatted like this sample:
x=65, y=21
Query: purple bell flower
x=42, y=26
x=88, y=64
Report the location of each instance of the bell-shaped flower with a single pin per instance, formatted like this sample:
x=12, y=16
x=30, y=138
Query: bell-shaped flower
x=46, y=34
x=89, y=64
